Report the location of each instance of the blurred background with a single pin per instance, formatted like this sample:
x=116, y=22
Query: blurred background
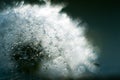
x=103, y=30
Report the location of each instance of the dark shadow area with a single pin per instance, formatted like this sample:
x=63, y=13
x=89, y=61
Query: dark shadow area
x=4, y=4
x=27, y=57
x=30, y=77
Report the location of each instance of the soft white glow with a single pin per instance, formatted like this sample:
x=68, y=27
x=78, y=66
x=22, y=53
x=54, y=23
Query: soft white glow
x=62, y=38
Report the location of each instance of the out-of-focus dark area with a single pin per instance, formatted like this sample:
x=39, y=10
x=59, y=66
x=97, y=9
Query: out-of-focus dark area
x=103, y=30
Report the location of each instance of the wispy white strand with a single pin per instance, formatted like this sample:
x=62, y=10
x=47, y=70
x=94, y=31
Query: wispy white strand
x=61, y=37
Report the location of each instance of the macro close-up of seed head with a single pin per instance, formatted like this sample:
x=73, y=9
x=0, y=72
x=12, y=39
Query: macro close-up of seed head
x=40, y=42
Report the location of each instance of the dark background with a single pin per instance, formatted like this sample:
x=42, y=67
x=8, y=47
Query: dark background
x=103, y=28
x=103, y=19
x=103, y=22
